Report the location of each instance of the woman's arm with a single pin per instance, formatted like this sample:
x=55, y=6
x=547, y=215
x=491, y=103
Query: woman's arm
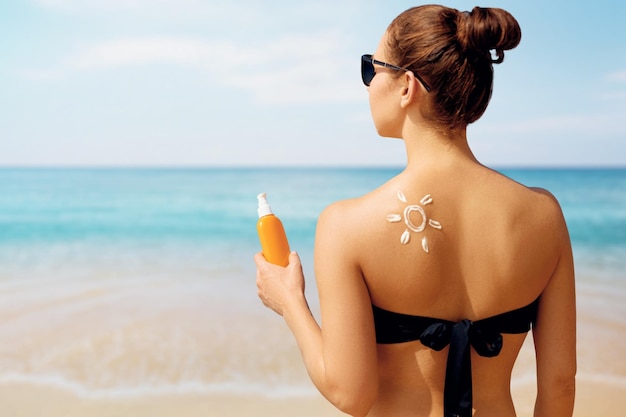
x=346, y=309
x=555, y=337
x=340, y=357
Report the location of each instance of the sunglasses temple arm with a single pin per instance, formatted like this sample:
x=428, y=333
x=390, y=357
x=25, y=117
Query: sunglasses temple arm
x=426, y=86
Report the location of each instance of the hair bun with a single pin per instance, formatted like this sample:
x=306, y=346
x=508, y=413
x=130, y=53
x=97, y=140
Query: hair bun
x=488, y=29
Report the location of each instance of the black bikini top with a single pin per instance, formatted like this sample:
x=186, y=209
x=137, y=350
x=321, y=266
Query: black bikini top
x=483, y=335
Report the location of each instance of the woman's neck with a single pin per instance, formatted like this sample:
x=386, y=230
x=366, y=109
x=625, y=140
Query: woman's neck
x=429, y=148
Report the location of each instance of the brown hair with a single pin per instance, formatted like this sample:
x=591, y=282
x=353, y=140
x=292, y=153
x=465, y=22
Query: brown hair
x=451, y=50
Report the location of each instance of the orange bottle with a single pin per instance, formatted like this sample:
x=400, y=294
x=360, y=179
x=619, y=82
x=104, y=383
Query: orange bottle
x=272, y=235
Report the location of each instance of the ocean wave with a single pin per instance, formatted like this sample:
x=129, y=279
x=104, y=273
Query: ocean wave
x=273, y=390
x=269, y=390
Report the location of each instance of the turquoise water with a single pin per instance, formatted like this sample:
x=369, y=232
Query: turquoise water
x=120, y=281
x=214, y=209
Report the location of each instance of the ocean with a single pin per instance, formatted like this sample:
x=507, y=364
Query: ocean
x=125, y=282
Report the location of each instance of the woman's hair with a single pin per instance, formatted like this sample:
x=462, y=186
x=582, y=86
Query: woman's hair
x=452, y=51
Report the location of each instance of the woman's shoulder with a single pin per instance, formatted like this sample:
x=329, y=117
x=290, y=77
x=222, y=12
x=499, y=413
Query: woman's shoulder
x=341, y=212
x=549, y=211
x=535, y=205
x=343, y=227
x=354, y=214
x=516, y=191
x=540, y=199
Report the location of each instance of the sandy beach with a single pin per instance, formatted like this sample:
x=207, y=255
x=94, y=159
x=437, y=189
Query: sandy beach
x=601, y=383
x=601, y=390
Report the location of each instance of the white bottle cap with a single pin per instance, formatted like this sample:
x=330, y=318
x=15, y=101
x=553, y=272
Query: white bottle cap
x=264, y=207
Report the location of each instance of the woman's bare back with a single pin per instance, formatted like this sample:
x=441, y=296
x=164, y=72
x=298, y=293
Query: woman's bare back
x=491, y=249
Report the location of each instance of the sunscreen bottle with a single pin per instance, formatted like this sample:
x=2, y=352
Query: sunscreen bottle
x=271, y=234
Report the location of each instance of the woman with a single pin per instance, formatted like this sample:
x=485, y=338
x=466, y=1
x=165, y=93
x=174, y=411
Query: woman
x=429, y=284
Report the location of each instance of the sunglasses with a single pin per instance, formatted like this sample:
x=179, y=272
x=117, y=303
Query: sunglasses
x=368, y=71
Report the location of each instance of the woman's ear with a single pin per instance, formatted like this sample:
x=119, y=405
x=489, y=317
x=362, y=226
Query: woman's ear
x=410, y=89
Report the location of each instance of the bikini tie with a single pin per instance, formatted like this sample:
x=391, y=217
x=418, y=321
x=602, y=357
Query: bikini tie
x=457, y=394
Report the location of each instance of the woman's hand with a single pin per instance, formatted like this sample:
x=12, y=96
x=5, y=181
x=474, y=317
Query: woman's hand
x=278, y=286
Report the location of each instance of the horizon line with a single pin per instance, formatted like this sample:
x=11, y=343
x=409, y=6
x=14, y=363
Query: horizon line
x=285, y=166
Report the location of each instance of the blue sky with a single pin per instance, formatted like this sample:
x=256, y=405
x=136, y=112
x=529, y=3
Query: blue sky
x=193, y=82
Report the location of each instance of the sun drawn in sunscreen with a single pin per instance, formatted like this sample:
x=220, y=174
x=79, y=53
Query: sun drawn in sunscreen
x=416, y=227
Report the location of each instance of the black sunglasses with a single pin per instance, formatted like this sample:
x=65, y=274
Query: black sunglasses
x=368, y=71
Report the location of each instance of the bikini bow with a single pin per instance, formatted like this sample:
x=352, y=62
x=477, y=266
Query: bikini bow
x=457, y=396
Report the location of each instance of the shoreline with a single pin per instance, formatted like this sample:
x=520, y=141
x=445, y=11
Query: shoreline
x=595, y=397
x=30, y=400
